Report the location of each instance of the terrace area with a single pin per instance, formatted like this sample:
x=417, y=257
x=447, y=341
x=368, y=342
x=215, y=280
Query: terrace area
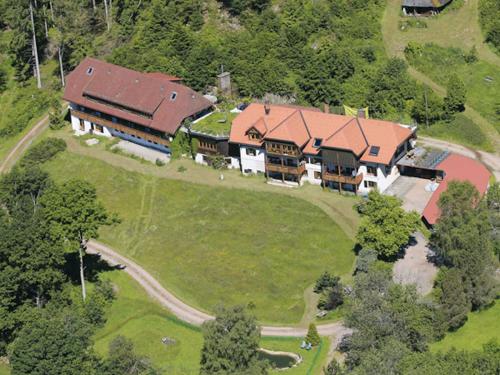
x=216, y=124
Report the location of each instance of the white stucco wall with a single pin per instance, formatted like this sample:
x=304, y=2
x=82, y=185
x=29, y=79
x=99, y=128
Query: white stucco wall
x=252, y=164
x=309, y=175
x=75, y=124
x=382, y=179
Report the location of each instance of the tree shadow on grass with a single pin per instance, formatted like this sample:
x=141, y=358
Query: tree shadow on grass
x=93, y=263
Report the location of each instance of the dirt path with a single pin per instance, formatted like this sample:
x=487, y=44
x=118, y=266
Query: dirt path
x=188, y=313
x=23, y=144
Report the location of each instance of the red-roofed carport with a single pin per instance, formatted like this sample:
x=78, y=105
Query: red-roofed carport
x=459, y=168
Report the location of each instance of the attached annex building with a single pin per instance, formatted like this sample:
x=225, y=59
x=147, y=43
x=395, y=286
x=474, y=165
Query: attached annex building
x=293, y=144
x=144, y=108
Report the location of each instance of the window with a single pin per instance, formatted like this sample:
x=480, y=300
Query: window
x=317, y=175
x=90, y=70
x=374, y=150
x=370, y=184
x=317, y=142
x=388, y=169
x=371, y=170
x=173, y=96
x=251, y=151
x=114, y=119
x=82, y=125
x=99, y=128
x=254, y=135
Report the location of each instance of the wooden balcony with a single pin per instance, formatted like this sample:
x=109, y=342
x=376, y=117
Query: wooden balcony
x=280, y=149
x=342, y=179
x=299, y=170
x=117, y=126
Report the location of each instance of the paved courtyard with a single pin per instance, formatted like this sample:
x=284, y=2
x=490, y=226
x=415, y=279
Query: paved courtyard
x=411, y=190
x=142, y=152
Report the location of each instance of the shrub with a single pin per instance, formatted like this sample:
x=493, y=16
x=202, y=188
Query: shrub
x=3, y=79
x=313, y=335
x=332, y=297
x=325, y=281
x=159, y=162
x=366, y=258
x=455, y=96
x=56, y=117
x=180, y=145
x=43, y=152
x=217, y=162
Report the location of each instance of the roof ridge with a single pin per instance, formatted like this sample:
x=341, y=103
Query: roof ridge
x=339, y=129
x=362, y=132
x=281, y=123
x=305, y=124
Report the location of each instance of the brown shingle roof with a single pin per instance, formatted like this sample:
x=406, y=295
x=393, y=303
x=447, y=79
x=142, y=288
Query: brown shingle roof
x=151, y=99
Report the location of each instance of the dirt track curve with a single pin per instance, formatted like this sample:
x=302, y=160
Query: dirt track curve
x=188, y=313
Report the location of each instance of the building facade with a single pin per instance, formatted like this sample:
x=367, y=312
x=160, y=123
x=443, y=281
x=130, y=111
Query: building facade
x=144, y=108
x=292, y=145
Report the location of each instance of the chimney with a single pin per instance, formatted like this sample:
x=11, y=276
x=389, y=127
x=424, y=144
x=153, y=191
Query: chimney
x=267, y=107
x=326, y=108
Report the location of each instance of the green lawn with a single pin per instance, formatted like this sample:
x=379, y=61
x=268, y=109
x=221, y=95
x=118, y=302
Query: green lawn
x=481, y=78
x=134, y=315
x=217, y=123
x=4, y=369
x=480, y=328
x=212, y=245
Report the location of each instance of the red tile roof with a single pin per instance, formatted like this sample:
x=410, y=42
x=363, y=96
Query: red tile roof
x=459, y=168
x=153, y=100
x=302, y=126
x=348, y=137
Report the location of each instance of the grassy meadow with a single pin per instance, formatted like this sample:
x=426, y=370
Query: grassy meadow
x=134, y=315
x=481, y=78
x=460, y=130
x=210, y=245
x=481, y=327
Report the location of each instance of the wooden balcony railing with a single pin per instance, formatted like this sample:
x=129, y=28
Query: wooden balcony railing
x=117, y=126
x=343, y=179
x=299, y=170
x=283, y=150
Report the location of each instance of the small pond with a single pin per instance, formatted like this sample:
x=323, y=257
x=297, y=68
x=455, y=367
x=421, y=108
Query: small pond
x=279, y=360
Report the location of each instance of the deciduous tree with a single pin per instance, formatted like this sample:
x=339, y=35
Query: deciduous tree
x=75, y=215
x=230, y=344
x=386, y=227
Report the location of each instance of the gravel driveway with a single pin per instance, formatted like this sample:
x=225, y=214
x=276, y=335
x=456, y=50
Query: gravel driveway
x=414, y=268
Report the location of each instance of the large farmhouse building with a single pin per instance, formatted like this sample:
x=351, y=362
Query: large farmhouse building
x=144, y=108
x=294, y=144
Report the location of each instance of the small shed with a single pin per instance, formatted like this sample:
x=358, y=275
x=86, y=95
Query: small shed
x=423, y=7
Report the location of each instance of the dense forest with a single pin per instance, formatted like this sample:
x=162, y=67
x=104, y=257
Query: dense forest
x=309, y=52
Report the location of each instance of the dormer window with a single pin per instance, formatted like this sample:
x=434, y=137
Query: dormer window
x=374, y=150
x=317, y=142
x=173, y=96
x=254, y=135
x=90, y=70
